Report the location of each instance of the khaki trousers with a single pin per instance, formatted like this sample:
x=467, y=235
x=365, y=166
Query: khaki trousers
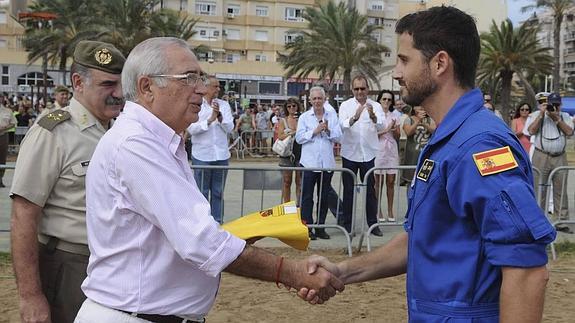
x=62, y=274
x=546, y=164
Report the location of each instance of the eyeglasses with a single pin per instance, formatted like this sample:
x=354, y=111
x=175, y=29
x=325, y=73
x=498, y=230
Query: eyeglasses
x=359, y=88
x=385, y=99
x=190, y=78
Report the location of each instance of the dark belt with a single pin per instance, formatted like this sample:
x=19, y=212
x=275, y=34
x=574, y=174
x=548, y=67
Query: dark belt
x=157, y=318
x=550, y=154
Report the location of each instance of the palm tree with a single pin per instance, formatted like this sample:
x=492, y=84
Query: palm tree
x=505, y=52
x=338, y=40
x=54, y=40
x=559, y=9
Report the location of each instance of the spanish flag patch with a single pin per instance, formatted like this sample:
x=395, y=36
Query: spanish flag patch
x=494, y=161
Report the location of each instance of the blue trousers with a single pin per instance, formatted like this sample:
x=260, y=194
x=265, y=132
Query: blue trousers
x=323, y=182
x=211, y=183
x=371, y=199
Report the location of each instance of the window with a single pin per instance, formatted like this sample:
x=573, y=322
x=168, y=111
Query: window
x=388, y=39
x=207, y=33
x=35, y=78
x=3, y=43
x=261, y=35
x=233, y=9
x=232, y=58
x=2, y=17
x=376, y=5
x=5, y=75
x=387, y=54
x=206, y=8
x=295, y=88
x=290, y=37
x=261, y=58
x=377, y=37
x=261, y=11
x=293, y=14
x=269, y=88
x=232, y=34
x=374, y=21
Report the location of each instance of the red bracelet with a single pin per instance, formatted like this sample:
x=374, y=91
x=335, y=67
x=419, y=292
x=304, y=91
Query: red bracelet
x=278, y=272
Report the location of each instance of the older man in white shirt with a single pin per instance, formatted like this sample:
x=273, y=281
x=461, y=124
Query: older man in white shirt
x=360, y=118
x=210, y=146
x=317, y=131
x=156, y=253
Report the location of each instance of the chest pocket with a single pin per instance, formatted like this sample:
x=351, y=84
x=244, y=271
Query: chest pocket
x=80, y=168
x=428, y=191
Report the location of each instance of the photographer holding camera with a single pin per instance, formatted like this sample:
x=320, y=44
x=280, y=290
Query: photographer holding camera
x=550, y=128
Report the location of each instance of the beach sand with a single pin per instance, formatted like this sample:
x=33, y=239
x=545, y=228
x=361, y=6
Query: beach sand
x=247, y=300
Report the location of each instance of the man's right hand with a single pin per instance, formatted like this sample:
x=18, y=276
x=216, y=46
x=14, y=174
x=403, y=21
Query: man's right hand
x=317, y=264
x=35, y=309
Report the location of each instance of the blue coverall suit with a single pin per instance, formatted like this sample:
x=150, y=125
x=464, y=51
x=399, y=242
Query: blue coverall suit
x=462, y=226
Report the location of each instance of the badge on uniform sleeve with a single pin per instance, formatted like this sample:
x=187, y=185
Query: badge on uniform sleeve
x=494, y=161
x=425, y=170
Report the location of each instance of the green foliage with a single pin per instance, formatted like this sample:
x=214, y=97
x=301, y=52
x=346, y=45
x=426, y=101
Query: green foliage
x=123, y=23
x=337, y=42
x=565, y=247
x=506, y=50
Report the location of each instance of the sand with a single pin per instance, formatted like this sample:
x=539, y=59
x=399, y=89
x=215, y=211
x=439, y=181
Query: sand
x=246, y=300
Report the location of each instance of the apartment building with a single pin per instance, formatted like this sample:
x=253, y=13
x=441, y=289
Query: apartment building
x=566, y=44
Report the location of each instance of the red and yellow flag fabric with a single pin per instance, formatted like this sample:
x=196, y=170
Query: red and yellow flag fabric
x=494, y=161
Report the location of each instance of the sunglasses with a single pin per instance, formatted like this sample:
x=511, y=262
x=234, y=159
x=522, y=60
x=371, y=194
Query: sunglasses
x=292, y=106
x=385, y=99
x=359, y=88
x=487, y=100
x=523, y=109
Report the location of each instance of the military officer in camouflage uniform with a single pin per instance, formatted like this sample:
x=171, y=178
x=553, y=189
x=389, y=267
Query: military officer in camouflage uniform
x=49, y=242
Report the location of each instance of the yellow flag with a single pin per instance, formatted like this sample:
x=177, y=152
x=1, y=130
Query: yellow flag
x=282, y=222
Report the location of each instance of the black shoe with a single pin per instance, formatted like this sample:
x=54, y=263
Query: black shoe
x=2, y=184
x=377, y=232
x=563, y=228
x=320, y=233
x=312, y=236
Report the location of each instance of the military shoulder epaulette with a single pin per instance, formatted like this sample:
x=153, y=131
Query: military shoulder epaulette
x=52, y=119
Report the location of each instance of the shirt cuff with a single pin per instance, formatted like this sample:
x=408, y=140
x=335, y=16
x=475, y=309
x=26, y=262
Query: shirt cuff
x=228, y=251
x=516, y=255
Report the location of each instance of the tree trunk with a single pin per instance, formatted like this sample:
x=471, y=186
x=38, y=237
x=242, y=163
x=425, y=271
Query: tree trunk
x=558, y=19
x=506, y=78
x=530, y=93
x=347, y=81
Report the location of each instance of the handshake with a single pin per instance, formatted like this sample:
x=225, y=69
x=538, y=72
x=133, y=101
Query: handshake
x=317, y=282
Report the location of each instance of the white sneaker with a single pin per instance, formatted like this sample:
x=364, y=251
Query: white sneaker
x=390, y=219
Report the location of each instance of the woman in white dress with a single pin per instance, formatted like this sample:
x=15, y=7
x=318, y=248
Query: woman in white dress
x=387, y=155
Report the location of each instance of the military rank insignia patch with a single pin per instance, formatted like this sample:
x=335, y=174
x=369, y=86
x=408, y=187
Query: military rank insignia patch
x=425, y=170
x=494, y=161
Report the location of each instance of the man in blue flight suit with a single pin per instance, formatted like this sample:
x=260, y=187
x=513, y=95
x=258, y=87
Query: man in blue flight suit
x=474, y=246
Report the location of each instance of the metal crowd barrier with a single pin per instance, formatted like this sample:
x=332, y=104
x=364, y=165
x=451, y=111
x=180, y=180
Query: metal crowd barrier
x=6, y=230
x=559, y=171
x=251, y=140
x=261, y=187
x=399, y=208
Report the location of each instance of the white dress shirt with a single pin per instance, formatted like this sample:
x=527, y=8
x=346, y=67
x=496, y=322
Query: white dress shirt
x=210, y=142
x=154, y=246
x=549, y=138
x=359, y=142
x=317, y=150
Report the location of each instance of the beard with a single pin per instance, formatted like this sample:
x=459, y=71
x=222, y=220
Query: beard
x=416, y=91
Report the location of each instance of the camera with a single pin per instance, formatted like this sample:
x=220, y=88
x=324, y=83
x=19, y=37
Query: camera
x=551, y=107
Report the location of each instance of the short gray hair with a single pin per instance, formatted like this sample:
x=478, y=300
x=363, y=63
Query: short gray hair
x=147, y=58
x=319, y=89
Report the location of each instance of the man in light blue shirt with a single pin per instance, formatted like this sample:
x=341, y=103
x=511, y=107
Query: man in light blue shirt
x=317, y=131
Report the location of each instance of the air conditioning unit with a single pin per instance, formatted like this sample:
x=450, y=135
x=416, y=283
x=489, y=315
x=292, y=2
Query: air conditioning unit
x=243, y=52
x=231, y=15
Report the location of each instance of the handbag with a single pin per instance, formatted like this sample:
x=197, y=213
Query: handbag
x=283, y=147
